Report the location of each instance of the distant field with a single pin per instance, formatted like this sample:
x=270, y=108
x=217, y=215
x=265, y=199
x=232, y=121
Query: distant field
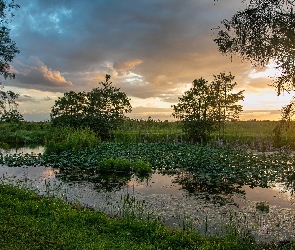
x=254, y=134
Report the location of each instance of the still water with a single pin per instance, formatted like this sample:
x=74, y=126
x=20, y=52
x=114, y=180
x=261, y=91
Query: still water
x=174, y=197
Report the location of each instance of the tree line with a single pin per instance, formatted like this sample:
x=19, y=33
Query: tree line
x=204, y=108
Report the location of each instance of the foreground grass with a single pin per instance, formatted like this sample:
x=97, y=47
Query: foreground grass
x=29, y=221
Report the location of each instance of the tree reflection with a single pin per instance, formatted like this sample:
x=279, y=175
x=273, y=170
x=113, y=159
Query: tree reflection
x=108, y=182
x=219, y=192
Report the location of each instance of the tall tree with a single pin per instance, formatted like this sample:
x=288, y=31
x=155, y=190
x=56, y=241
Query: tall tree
x=226, y=101
x=8, y=48
x=194, y=110
x=206, y=106
x=263, y=32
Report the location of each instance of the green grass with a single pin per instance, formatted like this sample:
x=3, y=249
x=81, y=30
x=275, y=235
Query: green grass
x=253, y=134
x=71, y=139
x=257, y=135
x=23, y=133
x=29, y=221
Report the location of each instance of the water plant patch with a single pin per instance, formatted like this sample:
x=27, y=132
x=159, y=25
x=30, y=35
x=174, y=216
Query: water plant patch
x=209, y=164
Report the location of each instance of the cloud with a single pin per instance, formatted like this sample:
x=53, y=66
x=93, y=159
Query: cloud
x=26, y=98
x=124, y=67
x=260, y=115
x=33, y=73
x=152, y=49
x=155, y=113
x=47, y=98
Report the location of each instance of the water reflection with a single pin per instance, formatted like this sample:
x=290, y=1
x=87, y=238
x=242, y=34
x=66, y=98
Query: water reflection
x=24, y=150
x=169, y=195
x=220, y=192
x=103, y=182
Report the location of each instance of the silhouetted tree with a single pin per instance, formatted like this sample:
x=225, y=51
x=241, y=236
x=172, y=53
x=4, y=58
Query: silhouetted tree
x=264, y=32
x=206, y=106
x=101, y=109
x=8, y=48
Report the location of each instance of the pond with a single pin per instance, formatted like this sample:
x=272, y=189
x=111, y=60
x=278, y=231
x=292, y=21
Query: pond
x=179, y=198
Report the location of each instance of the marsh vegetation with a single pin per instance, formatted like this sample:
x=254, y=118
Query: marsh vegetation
x=212, y=175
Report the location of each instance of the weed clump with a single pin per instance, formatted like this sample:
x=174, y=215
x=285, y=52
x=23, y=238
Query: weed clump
x=71, y=139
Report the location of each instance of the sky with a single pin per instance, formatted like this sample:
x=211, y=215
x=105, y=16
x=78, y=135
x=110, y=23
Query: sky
x=153, y=50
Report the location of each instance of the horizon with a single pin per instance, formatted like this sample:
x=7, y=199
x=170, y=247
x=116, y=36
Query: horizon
x=246, y=115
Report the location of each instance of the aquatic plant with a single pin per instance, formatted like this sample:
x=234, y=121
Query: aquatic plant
x=215, y=165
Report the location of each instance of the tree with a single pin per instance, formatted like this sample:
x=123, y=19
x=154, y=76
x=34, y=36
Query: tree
x=206, y=106
x=263, y=32
x=8, y=106
x=225, y=101
x=8, y=48
x=101, y=109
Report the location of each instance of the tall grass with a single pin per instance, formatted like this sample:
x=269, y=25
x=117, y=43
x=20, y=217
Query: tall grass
x=24, y=133
x=252, y=134
x=71, y=139
x=257, y=135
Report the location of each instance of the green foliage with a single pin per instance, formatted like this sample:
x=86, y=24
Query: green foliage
x=111, y=164
x=247, y=134
x=101, y=109
x=8, y=48
x=205, y=107
x=124, y=165
x=71, y=139
x=210, y=165
x=24, y=133
x=8, y=106
x=262, y=33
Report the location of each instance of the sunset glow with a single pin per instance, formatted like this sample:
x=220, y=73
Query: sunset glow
x=152, y=50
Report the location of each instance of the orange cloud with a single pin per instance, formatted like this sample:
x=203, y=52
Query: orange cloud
x=123, y=67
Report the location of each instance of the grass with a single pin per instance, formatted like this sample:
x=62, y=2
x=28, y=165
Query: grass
x=71, y=139
x=29, y=221
x=252, y=134
x=23, y=133
x=257, y=135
